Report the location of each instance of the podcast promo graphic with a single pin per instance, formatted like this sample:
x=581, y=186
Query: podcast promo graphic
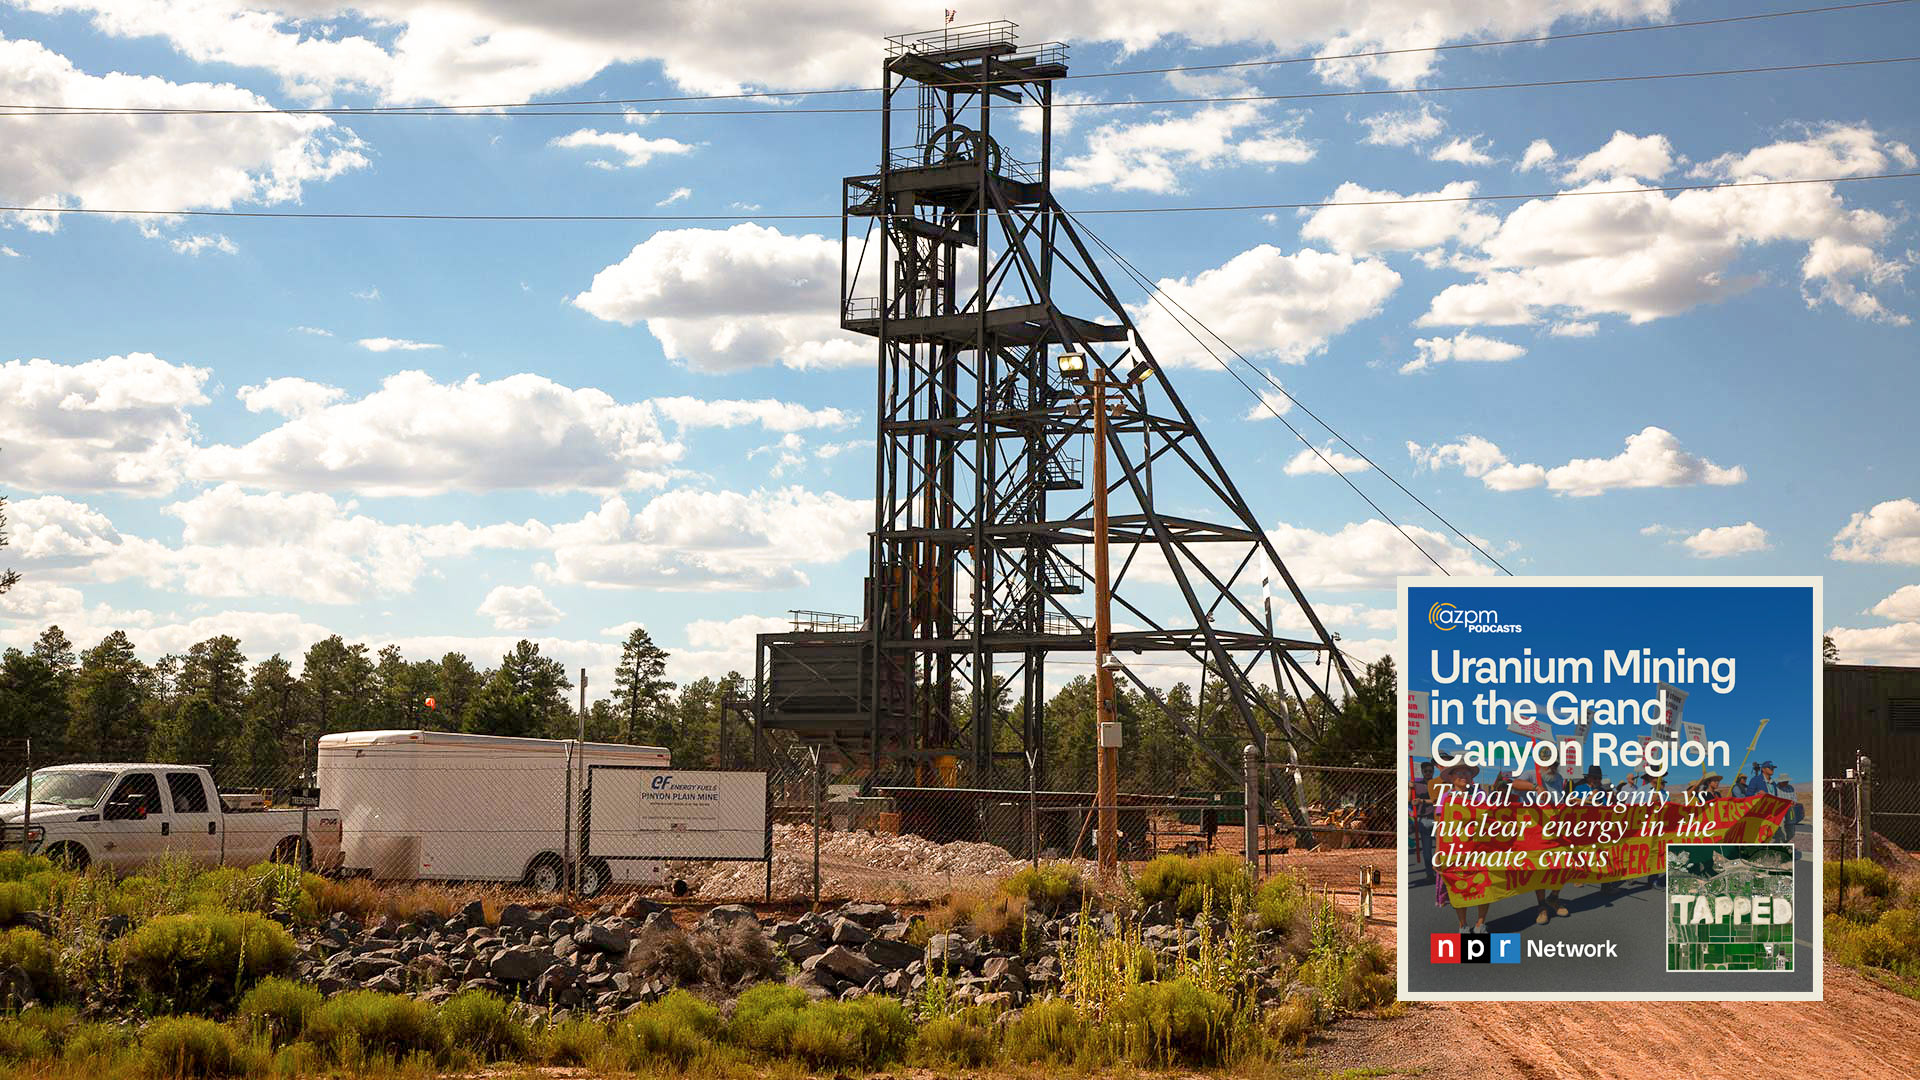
x=1610, y=788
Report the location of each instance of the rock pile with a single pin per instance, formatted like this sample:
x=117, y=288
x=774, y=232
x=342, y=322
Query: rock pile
x=852, y=863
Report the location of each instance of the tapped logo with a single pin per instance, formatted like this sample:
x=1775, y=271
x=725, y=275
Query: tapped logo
x=1445, y=616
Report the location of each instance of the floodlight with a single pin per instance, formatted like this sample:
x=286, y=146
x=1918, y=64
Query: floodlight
x=1073, y=365
x=1140, y=372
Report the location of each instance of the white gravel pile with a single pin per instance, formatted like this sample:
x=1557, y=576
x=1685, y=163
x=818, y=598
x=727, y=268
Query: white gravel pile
x=852, y=863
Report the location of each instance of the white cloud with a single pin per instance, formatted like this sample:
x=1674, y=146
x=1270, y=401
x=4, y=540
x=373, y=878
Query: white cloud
x=692, y=540
x=1403, y=127
x=1480, y=459
x=1365, y=554
x=1272, y=404
x=834, y=450
x=519, y=607
x=199, y=245
x=723, y=300
x=679, y=194
x=1903, y=603
x=154, y=161
x=1462, y=151
x=371, y=292
x=1653, y=458
x=119, y=423
x=1727, y=540
x=1539, y=155
x=1574, y=329
x=313, y=331
x=1326, y=462
x=416, y=435
x=1270, y=303
x=1889, y=532
x=771, y=414
x=1068, y=106
x=389, y=344
x=7, y=252
x=1151, y=155
x=288, y=395
x=1650, y=255
x=1625, y=157
x=634, y=149
x=1896, y=644
x=1464, y=347
x=1408, y=226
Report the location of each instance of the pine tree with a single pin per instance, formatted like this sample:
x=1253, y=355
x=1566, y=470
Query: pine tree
x=34, y=701
x=109, y=694
x=641, y=690
x=8, y=578
x=458, y=681
x=263, y=746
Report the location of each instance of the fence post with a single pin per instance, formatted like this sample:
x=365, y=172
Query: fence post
x=26, y=819
x=817, y=781
x=1033, y=808
x=1863, y=795
x=1250, y=766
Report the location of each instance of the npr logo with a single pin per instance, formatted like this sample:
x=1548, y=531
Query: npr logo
x=1473, y=949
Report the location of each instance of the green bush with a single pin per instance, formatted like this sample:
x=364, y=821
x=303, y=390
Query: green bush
x=764, y=1017
x=17, y=898
x=90, y=1041
x=1187, y=884
x=962, y=1040
x=279, y=1008
x=23, y=1042
x=1051, y=887
x=1890, y=943
x=1862, y=875
x=191, y=1046
x=33, y=951
x=1047, y=1032
x=778, y=1020
x=17, y=867
x=574, y=1041
x=1167, y=1022
x=674, y=1030
x=276, y=889
x=366, y=1022
x=203, y=959
x=1280, y=902
x=484, y=1025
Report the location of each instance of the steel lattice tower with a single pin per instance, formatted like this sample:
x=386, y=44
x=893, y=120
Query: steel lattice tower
x=953, y=256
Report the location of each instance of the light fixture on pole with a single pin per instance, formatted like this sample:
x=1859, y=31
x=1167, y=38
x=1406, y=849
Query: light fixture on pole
x=1093, y=382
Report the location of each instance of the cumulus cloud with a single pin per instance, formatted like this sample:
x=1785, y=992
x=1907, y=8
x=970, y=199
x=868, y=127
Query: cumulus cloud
x=1650, y=255
x=1727, y=540
x=288, y=395
x=1464, y=347
x=1365, y=554
x=1403, y=127
x=633, y=149
x=119, y=423
x=416, y=435
x=1538, y=155
x=1652, y=458
x=722, y=300
x=1325, y=462
x=769, y=413
x=1897, y=644
x=1903, y=603
x=1462, y=151
x=1407, y=226
x=518, y=607
x=679, y=194
x=1574, y=329
x=1889, y=532
x=1151, y=155
x=708, y=540
x=1480, y=459
x=1270, y=303
x=391, y=344
x=154, y=161
x=1272, y=404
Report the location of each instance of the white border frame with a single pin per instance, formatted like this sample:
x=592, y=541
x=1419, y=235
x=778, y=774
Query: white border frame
x=1405, y=775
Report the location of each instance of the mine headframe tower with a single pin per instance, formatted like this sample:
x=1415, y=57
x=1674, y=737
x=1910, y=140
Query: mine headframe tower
x=953, y=253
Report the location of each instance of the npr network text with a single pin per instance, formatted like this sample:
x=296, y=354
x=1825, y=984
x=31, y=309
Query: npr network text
x=1652, y=754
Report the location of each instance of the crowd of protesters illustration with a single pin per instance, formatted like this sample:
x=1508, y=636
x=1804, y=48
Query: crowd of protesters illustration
x=1432, y=783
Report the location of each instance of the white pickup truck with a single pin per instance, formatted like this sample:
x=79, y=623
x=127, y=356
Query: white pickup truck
x=123, y=815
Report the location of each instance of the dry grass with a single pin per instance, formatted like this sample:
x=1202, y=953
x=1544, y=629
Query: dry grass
x=995, y=915
x=366, y=900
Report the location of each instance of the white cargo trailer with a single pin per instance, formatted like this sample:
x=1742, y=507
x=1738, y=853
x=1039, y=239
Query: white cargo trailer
x=441, y=806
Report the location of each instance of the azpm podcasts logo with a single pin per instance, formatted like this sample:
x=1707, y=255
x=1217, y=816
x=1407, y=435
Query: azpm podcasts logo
x=1446, y=616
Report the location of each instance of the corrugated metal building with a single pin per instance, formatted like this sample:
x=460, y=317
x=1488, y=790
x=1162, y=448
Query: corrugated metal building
x=1876, y=710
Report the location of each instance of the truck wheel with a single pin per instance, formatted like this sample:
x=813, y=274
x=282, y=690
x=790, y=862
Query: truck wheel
x=292, y=852
x=546, y=873
x=595, y=876
x=69, y=856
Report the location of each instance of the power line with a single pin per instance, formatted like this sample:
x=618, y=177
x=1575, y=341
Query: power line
x=1154, y=294
x=430, y=110
x=1534, y=84
x=1271, y=381
x=359, y=215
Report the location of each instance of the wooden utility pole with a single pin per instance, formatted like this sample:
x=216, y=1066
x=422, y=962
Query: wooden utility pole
x=1107, y=763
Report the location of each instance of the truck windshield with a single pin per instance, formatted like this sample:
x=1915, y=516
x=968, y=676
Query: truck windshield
x=72, y=789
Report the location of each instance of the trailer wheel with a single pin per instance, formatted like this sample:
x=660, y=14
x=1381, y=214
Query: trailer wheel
x=546, y=873
x=69, y=856
x=595, y=876
x=292, y=852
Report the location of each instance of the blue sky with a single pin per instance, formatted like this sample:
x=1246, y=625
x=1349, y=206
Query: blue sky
x=1765, y=630
x=208, y=426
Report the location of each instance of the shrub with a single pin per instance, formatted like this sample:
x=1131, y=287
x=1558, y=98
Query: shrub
x=1863, y=876
x=21, y=1041
x=731, y=953
x=675, y=1030
x=87, y=1041
x=1185, y=884
x=764, y=1017
x=962, y=1040
x=1000, y=917
x=1891, y=943
x=860, y=1034
x=482, y=1024
x=1280, y=902
x=275, y=889
x=1175, y=1021
x=191, y=1046
x=279, y=1008
x=575, y=1041
x=1292, y=1021
x=1048, y=1032
x=17, y=898
x=362, y=1022
x=33, y=951
x=17, y=867
x=664, y=951
x=206, y=958
x=1051, y=887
